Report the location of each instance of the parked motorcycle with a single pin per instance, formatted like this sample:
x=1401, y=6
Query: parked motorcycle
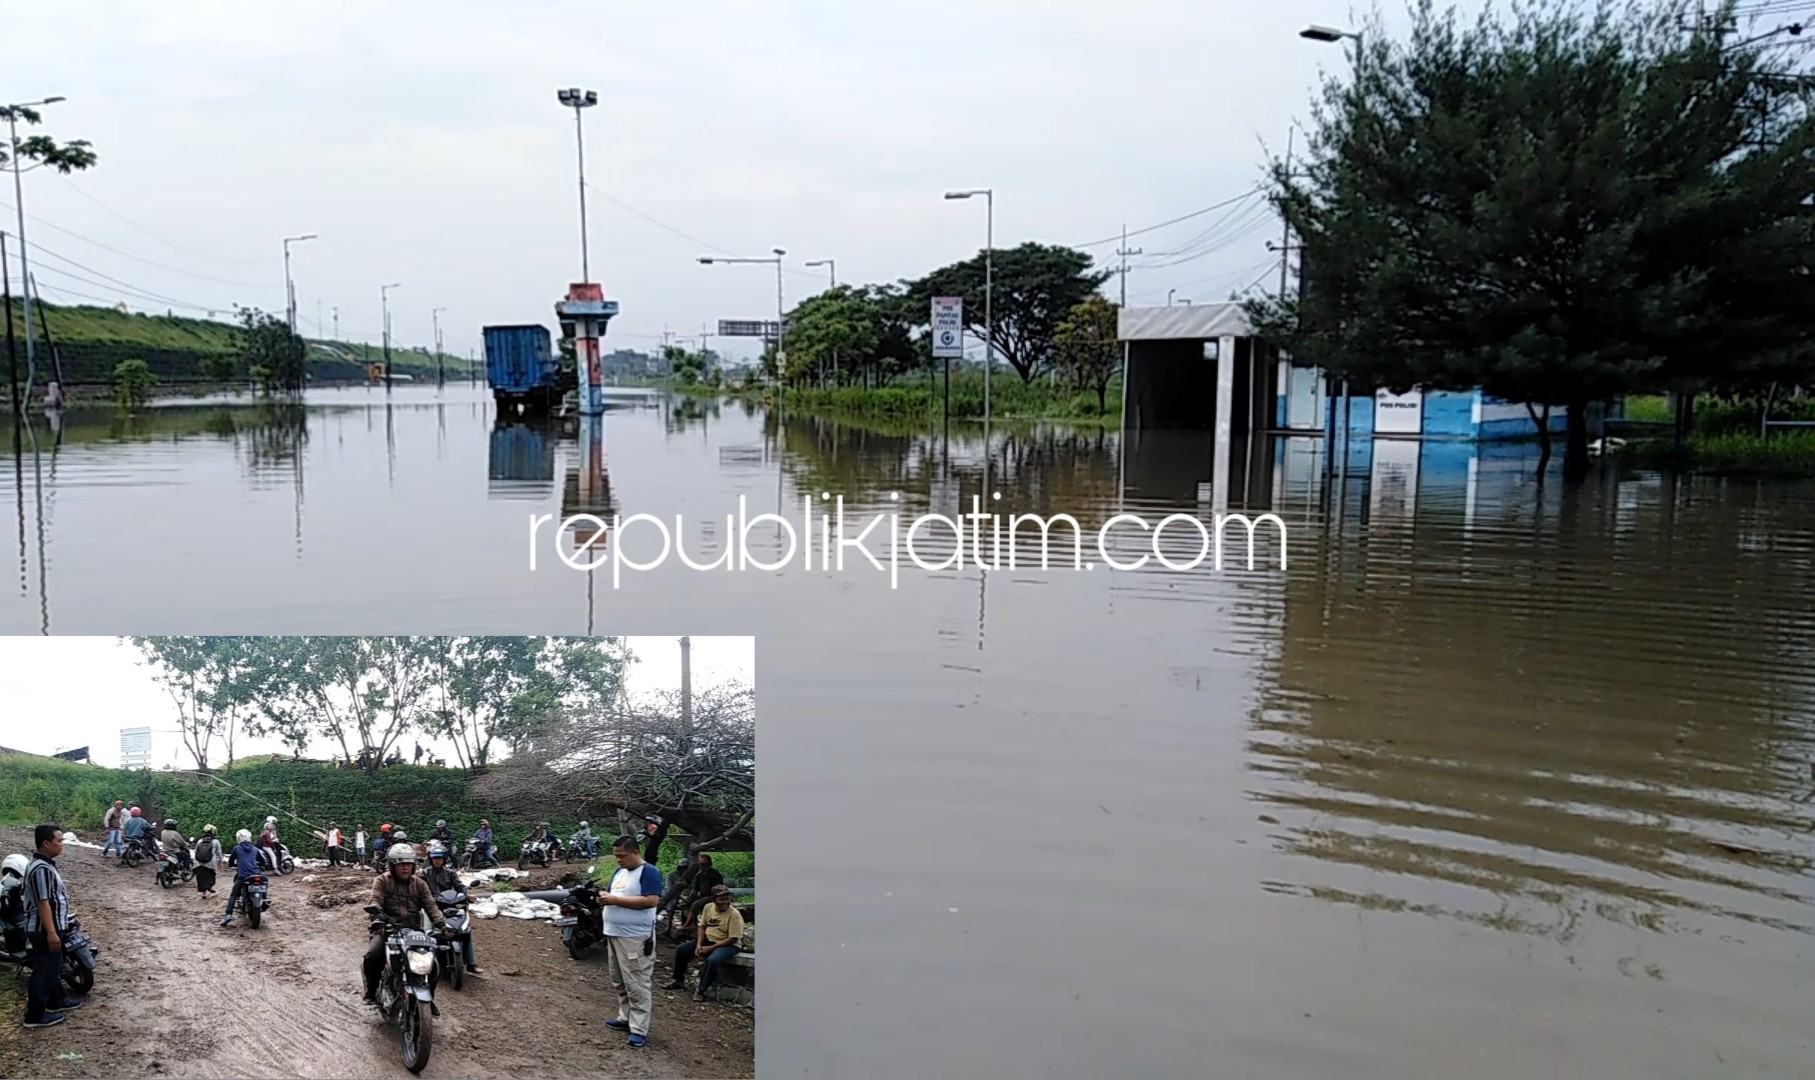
x=282, y=863
x=171, y=871
x=255, y=899
x=405, y=989
x=450, y=950
x=79, y=954
x=474, y=861
x=582, y=919
x=537, y=851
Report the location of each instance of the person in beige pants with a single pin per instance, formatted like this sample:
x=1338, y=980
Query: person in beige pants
x=630, y=903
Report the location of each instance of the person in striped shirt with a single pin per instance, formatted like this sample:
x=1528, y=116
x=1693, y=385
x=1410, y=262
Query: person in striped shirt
x=46, y=922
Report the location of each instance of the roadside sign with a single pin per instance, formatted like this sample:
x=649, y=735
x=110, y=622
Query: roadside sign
x=746, y=328
x=948, y=326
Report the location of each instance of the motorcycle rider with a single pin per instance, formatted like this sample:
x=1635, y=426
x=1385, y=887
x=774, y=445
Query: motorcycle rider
x=441, y=878
x=138, y=831
x=175, y=843
x=405, y=898
x=443, y=835
x=542, y=835
x=267, y=845
x=584, y=838
x=383, y=841
x=485, y=839
x=245, y=865
x=207, y=854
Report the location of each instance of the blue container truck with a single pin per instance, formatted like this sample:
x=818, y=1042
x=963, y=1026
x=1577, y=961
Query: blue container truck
x=524, y=370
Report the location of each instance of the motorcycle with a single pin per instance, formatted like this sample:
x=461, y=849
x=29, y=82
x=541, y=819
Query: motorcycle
x=474, y=861
x=171, y=870
x=450, y=950
x=79, y=954
x=582, y=919
x=580, y=849
x=255, y=899
x=406, y=985
x=137, y=849
x=281, y=862
x=537, y=850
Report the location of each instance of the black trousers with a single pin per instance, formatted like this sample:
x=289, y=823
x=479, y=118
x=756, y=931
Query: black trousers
x=45, y=990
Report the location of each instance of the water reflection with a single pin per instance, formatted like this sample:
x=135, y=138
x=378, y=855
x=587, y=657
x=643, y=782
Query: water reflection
x=521, y=462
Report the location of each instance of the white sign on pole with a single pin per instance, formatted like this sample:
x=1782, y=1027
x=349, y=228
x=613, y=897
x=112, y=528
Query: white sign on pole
x=1399, y=414
x=948, y=326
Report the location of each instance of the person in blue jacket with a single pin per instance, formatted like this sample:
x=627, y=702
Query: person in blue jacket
x=245, y=865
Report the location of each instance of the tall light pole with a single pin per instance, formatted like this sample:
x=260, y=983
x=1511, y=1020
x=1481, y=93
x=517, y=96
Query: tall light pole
x=1331, y=35
x=25, y=280
x=436, y=316
x=289, y=288
x=384, y=302
x=780, y=309
x=831, y=266
x=577, y=99
x=989, y=287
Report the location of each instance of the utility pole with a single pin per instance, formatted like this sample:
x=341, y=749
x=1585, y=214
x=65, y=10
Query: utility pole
x=336, y=324
x=436, y=316
x=1124, y=251
x=12, y=349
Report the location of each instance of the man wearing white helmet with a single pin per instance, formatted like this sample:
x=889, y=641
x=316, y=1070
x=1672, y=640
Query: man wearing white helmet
x=245, y=865
x=405, y=898
x=442, y=877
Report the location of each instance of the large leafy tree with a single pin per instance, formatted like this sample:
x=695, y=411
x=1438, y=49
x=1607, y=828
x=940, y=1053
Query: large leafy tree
x=1577, y=204
x=1085, y=346
x=852, y=334
x=1035, y=287
x=355, y=691
x=517, y=690
x=205, y=677
x=278, y=358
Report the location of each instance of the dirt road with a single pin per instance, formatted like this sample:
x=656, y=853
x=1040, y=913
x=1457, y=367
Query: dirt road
x=178, y=995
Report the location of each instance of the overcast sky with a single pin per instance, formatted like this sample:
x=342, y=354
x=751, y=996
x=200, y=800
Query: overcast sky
x=65, y=692
x=425, y=146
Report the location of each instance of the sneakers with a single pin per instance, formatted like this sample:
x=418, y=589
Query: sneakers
x=226, y=920
x=618, y=1025
x=638, y=1040
x=675, y=985
x=473, y=969
x=49, y=1019
x=70, y=1006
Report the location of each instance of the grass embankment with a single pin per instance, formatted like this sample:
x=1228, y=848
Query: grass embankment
x=921, y=399
x=92, y=341
x=34, y=790
x=1725, y=439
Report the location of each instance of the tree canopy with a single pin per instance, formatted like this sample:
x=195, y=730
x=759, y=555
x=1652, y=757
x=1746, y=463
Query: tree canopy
x=1579, y=203
x=42, y=150
x=1034, y=287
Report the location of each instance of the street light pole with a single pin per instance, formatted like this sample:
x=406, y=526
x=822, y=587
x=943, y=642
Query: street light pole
x=436, y=316
x=577, y=99
x=831, y=266
x=25, y=281
x=384, y=302
x=289, y=288
x=989, y=288
x=780, y=308
x=1334, y=35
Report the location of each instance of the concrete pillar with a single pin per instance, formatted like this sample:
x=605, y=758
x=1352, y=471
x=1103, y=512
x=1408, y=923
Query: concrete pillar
x=1222, y=464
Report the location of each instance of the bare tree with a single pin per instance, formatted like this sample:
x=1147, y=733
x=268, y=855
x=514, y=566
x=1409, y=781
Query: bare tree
x=683, y=765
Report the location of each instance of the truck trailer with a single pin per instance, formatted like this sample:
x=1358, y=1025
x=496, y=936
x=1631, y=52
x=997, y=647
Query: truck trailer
x=525, y=372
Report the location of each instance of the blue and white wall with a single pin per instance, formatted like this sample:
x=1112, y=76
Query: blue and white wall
x=1436, y=414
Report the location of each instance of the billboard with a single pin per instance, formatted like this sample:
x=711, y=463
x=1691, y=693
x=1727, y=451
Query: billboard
x=135, y=748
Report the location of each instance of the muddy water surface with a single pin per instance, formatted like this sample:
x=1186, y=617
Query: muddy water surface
x=1494, y=780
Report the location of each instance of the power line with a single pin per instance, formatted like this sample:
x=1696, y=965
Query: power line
x=141, y=258
x=684, y=236
x=1174, y=221
x=73, y=186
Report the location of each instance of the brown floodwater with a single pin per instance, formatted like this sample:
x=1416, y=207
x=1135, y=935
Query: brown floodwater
x=1496, y=779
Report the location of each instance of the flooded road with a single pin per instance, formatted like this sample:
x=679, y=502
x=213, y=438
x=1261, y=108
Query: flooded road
x=1496, y=779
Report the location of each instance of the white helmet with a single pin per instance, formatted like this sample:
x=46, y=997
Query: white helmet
x=244, y=836
x=582, y=824
x=15, y=866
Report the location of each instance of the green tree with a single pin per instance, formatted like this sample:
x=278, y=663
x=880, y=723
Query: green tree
x=516, y=689
x=1085, y=346
x=132, y=383
x=202, y=675
x=276, y=357
x=367, y=691
x=1035, y=286
x=42, y=150
x=221, y=367
x=688, y=368
x=1581, y=204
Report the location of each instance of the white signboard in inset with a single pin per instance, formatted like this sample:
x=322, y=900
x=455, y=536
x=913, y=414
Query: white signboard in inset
x=1399, y=414
x=948, y=326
